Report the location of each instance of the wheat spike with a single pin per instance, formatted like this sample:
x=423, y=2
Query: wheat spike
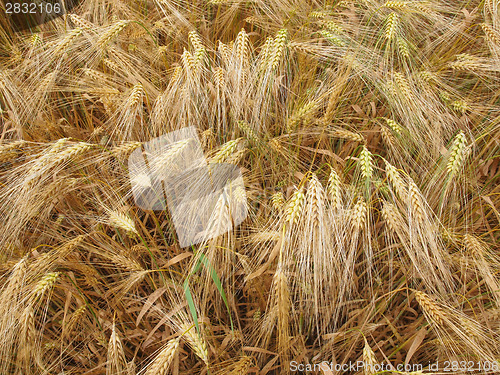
x=399, y=5
x=74, y=320
x=249, y=132
x=81, y=22
x=332, y=38
x=315, y=199
x=396, y=180
x=188, y=62
x=195, y=40
x=125, y=148
x=403, y=85
x=224, y=52
x=465, y=61
x=395, y=127
x=387, y=137
x=242, y=47
x=116, y=356
x=303, y=114
x=391, y=216
x=278, y=200
x=219, y=77
x=404, y=51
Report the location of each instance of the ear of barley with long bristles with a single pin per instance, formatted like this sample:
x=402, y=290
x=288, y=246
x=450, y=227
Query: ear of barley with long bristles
x=396, y=180
x=365, y=162
x=45, y=284
x=278, y=48
x=431, y=309
x=278, y=201
x=334, y=189
x=63, y=45
x=196, y=342
x=392, y=24
x=116, y=356
x=242, y=47
x=416, y=201
x=294, y=208
x=111, y=33
x=346, y=134
x=162, y=362
x=122, y=221
x=225, y=150
x=457, y=154
x=358, y=216
x=369, y=359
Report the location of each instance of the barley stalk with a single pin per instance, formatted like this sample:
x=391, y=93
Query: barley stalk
x=491, y=34
x=315, y=199
x=399, y=5
x=125, y=148
x=116, y=357
x=219, y=77
x=242, y=47
x=391, y=217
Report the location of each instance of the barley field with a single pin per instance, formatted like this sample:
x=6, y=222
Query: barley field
x=367, y=133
